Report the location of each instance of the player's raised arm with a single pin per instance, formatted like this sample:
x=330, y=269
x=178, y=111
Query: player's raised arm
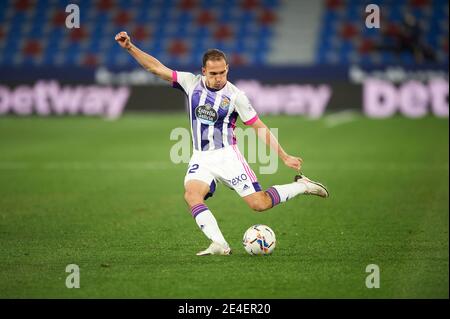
x=147, y=61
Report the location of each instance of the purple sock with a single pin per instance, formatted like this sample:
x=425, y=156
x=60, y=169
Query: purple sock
x=197, y=209
x=273, y=193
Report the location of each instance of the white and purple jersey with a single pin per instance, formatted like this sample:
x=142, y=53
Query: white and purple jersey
x=213, y=113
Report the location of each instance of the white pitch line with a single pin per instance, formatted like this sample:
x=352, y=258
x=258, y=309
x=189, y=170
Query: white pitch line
x=105, y=166
x=340, y=118
x=379, y=166
x=75, y=166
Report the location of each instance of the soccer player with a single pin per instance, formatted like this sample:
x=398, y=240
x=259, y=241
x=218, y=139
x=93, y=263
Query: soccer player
x=214, y=105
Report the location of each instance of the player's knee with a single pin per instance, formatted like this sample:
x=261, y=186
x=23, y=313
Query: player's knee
x=259, y=202
x=259, y=206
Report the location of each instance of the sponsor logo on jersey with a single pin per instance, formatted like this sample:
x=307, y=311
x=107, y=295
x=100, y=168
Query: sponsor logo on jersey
x=245, y=187
x=206, y=114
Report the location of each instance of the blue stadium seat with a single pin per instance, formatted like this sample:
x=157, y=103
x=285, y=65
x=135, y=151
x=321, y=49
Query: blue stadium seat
x=394, y=13
x=168, y=19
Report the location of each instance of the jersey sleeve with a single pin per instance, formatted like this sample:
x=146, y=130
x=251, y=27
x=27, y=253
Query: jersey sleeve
x=245, y=109
x=183, y=80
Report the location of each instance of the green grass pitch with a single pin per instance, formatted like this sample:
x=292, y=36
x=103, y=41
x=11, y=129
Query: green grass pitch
x=104, y=195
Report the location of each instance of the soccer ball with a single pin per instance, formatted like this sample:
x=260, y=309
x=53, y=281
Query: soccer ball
x=259, y=240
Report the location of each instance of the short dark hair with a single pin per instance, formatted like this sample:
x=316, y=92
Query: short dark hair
x=214, y=55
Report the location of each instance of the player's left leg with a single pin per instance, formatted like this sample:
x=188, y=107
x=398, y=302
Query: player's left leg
x=258, y=201
x=263, y=200
x=237, y=174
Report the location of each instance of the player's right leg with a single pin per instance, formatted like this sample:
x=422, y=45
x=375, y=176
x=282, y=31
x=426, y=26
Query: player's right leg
x=198, y=183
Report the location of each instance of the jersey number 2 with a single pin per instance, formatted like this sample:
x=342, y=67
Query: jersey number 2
x=193, y=168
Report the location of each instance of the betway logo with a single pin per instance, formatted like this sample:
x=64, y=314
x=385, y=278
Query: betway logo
x=412, y=99
x=287, y=98
x=49, y=97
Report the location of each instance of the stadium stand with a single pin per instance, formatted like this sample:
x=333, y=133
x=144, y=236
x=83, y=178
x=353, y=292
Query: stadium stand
x=33, y=33
x=412, y=31
x=176, y=31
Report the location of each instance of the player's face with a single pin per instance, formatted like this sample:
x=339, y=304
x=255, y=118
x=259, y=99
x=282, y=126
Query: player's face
x=216, y=72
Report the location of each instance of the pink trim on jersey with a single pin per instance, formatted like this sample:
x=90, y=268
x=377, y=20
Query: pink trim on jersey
x=247, y=169
x=233, y=126
x=252, y=120
x=174, y=77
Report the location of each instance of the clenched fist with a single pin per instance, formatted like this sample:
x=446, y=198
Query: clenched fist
x=293, y=162
x=123, y=39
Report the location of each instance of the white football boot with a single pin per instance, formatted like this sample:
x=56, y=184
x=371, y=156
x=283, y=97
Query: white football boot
x=312, y=187
x=215, y=249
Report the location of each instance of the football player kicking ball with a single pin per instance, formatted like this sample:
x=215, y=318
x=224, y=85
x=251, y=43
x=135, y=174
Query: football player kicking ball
x=214, y=106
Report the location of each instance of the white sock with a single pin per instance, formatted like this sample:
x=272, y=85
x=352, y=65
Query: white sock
x=282, y=193
x=208, y=224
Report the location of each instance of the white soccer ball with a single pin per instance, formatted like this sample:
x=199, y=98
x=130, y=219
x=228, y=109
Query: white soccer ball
x=259, y=240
